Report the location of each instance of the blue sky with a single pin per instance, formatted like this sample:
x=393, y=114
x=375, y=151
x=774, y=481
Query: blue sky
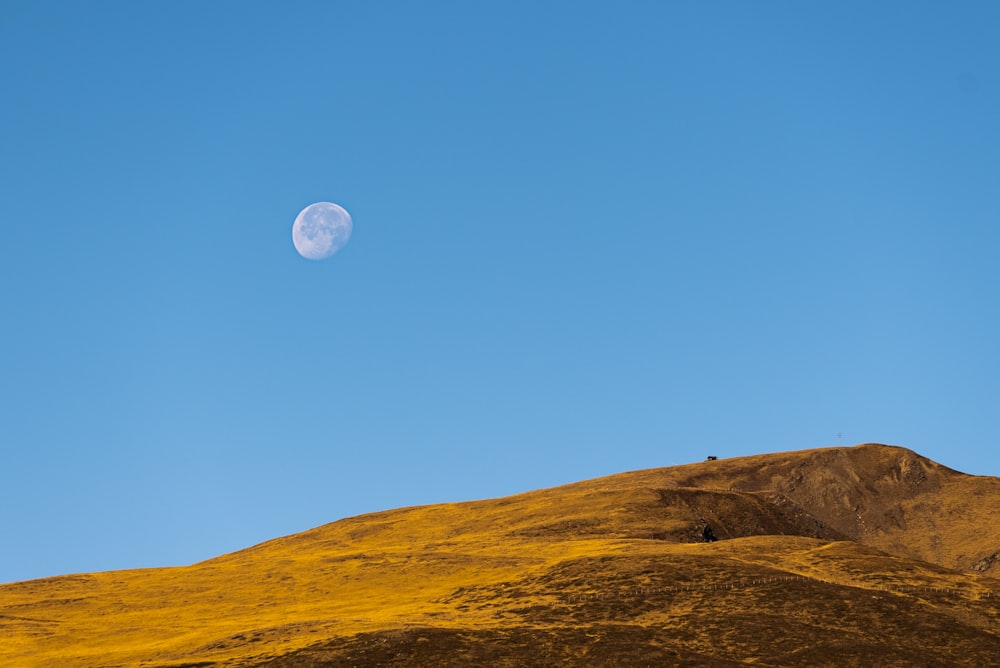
x=588, y=238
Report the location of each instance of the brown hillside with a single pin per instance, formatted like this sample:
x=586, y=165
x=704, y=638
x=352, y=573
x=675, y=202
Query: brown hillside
x=882, y=496
x=861, y=556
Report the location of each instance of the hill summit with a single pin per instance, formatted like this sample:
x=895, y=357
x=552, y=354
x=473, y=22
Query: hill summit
x=865, y=555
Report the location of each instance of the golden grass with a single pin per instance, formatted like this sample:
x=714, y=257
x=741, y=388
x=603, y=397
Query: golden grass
x=613, y=558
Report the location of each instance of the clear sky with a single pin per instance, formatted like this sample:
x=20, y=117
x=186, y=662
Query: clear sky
x=589, y=237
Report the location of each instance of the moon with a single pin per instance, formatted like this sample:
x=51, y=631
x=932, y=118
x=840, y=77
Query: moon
x=321, y=229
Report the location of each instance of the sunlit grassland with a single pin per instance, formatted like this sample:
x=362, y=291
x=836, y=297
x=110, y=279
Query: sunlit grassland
x=588, y=565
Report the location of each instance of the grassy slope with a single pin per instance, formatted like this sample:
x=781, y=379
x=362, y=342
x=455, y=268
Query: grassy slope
x=853, y=553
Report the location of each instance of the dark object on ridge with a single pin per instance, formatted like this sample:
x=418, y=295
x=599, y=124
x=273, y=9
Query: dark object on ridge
x=711, y=458
x=707, y=534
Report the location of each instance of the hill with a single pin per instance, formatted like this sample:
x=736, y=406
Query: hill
x=869, y=555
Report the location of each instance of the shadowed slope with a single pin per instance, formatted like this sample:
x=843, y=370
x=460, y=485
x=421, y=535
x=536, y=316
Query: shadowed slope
x=840, y=556
x=882, y=496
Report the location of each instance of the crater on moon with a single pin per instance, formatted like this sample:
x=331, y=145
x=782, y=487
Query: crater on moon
x=321, y=229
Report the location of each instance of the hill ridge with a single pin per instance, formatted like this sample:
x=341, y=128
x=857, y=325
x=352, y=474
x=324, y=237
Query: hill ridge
x=855, y=554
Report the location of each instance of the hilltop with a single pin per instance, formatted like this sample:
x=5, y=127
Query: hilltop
x=867, y=555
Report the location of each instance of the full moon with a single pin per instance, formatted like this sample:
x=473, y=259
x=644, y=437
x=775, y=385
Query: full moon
x=320, y=230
